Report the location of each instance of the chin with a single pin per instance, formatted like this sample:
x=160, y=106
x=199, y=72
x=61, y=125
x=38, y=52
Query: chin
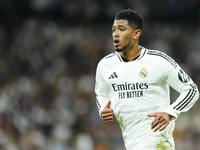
x=118, y=50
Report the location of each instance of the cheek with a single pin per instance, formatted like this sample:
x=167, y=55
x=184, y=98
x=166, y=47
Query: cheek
x=126, y=39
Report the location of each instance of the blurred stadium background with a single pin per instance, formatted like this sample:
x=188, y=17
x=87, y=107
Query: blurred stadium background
x=49, y=50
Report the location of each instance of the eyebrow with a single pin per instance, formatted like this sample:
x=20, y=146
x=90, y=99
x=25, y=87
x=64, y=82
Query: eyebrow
x=120, y=26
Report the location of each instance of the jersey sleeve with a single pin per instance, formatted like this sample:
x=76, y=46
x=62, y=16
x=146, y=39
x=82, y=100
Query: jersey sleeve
x=101, y=89
x=182, y=83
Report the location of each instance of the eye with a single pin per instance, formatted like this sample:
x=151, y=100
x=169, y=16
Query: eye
x=113, y=30
x=122, y=29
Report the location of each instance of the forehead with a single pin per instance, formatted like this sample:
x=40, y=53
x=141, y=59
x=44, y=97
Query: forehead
x=117, y=23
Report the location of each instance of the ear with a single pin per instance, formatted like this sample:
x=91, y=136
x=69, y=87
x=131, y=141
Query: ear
x=137, y=34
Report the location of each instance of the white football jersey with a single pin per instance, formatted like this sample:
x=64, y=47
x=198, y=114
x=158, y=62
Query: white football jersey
x=140, y=87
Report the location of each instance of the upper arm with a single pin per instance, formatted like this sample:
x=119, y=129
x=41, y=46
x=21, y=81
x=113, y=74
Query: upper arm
x=101, y=88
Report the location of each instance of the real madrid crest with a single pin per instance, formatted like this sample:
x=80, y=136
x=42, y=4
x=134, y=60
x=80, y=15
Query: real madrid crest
x=143, y=72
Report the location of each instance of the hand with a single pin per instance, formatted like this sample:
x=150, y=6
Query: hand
x=107, y=113
x=161, y=120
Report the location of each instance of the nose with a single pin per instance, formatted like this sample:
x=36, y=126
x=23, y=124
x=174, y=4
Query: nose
x=115, y=34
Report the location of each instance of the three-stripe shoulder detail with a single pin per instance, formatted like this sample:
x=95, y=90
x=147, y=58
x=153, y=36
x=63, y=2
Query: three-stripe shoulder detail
x=187, y=99
x=163, y=55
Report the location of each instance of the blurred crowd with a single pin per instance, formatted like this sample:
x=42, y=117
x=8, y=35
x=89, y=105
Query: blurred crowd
x=49, y=50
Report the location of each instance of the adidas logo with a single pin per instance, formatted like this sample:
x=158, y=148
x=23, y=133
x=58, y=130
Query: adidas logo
x=112, y=76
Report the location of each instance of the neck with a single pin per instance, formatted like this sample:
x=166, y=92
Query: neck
x=132, y=54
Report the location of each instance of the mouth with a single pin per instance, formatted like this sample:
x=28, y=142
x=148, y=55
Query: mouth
x=116, y=43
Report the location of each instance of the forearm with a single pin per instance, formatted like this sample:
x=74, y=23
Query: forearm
x=184, y=102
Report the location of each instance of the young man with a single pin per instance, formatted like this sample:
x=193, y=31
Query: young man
x=133, y=84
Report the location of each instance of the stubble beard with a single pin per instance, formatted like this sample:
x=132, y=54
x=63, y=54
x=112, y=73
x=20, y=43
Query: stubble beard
x=126, y=48
x=123, y=49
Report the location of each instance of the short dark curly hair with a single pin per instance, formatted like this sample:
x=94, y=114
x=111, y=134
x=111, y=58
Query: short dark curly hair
x=133, y=17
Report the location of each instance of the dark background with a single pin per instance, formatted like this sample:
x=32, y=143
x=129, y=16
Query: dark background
x=49, y=50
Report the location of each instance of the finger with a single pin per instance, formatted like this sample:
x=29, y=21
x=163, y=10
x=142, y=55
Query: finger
x=151, y=115
x=108, y=119
x=106, y=110
x=108, y=104
x=104, y=115
x=159, y=126
x=164, y=126
x=157, y=122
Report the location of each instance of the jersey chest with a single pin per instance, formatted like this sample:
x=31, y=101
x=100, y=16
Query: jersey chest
x=133, y=76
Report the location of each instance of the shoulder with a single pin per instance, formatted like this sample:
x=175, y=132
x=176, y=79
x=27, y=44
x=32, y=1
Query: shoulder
x=110, y=59
x=109, y=62
x=161, y=57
